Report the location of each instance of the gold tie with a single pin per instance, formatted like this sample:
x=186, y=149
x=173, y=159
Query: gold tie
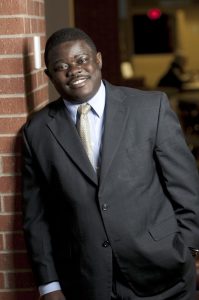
x=83, y=129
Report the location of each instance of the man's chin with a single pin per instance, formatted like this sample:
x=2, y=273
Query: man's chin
x=80, y=95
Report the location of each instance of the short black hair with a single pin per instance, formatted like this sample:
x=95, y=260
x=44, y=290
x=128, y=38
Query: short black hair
x=65, y=35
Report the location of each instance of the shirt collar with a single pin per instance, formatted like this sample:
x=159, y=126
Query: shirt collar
x=97, y=103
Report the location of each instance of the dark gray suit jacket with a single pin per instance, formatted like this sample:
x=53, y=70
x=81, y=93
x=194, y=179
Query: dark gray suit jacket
x=143, y=208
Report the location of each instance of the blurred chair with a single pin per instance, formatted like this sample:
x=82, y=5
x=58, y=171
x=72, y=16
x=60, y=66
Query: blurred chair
x=189, y=115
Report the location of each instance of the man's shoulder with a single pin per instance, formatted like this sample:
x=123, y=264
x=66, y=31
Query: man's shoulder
x=133, y=95
x=43, y=114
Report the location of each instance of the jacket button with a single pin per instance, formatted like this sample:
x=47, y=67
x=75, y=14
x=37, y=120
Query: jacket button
x=104, y=206
x=106, y=244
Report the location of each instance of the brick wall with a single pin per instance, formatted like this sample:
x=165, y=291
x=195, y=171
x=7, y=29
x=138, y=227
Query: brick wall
x=22, y=89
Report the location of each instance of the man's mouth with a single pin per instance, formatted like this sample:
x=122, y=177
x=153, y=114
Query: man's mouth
x=78, y=82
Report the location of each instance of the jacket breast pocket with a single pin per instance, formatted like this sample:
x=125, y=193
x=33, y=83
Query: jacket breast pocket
x=140, y=161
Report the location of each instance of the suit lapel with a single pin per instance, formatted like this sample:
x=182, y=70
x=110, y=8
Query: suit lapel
x=116, y=115
x=66, y=135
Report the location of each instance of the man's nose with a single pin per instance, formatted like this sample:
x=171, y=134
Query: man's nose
x=74, y=69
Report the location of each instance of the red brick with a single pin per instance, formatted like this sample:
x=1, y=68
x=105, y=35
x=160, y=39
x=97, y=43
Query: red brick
x=43, y=42
x=11, y=85
x=36, y=8
x=41, y=25
x=11, y=26
x=24, y=45
x=41, y=78
x=1, y=242
x=28, y=46
x=41, y=9
x=10, y=144
x=39, y=96
x=2, y=281
x=31, y=82
x=29, y=64
x=10, y=261
x=12, y=203
x=10, y=222
x=11, y=125
x=9, y=7
x=35, y=25
x=14, y=241
x=13, y=105
x=11, y=45
x=11, y=66
x=11, y=164
x=27, y=24
x=10, y=184
x=19, y=295
x=30, y=8
x=20, y=280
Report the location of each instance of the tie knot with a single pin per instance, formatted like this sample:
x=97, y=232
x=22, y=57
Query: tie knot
x=83, y=109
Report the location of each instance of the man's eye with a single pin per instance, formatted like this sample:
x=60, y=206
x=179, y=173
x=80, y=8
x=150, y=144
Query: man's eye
x=61, y=67
x=82, y=60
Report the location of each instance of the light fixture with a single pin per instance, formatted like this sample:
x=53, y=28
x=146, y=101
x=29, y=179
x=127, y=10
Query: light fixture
x=154, y=13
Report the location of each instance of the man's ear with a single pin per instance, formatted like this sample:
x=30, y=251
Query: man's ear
x=99, y=59
x=46, y=71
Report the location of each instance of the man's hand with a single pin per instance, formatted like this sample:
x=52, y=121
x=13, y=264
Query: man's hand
x=56, y=295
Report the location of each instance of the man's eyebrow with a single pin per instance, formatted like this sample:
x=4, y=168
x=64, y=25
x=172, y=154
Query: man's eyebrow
x=76, y=56
x=58, y=60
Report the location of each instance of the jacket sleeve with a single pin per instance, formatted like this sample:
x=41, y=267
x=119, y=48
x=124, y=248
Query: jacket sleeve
x=35, y=226
x=178, y=167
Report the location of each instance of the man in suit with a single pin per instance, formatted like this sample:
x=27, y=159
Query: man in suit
x=122, y=224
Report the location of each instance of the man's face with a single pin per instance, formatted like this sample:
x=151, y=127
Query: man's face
x=75, y=70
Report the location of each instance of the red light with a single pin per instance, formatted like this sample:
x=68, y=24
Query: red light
x=154, y=13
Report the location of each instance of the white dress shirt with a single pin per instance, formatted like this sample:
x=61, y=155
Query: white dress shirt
x=96, y=122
